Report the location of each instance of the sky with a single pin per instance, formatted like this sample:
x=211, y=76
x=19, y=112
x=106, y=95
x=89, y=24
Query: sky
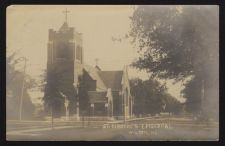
x=27, y=31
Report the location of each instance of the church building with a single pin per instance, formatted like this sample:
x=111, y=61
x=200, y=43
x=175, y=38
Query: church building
x=84, y=90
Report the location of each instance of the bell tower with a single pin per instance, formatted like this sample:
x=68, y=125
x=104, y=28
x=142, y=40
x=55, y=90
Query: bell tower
x=65, y=59
x=61, y=51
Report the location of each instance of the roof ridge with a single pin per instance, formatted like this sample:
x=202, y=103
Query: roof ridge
x=97, y=72
x=112, y=79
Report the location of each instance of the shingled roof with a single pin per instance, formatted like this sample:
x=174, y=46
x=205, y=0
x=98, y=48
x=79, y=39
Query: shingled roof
x=112, y=79
x=93, y=72
x=105, y=79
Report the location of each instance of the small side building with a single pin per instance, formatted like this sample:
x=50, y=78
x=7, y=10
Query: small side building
x=110, y=93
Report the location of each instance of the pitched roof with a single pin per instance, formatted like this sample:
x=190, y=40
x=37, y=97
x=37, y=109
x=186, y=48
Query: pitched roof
x=93, y=72
x=112, y=79
x=105, y=79
x=64, y=27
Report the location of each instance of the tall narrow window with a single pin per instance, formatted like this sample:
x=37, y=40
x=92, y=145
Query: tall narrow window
x=79, y=53
x=62, y=51
x=126, y=96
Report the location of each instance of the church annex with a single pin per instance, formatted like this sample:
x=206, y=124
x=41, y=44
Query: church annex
x=84, y=90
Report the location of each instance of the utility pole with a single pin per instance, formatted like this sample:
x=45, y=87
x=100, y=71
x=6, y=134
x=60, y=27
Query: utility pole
x=22, y=89
x=203, y=89
x=202, y=95
x=52, y=116
x=124, y=108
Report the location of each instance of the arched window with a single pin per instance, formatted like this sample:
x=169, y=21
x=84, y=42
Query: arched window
x=126, y=96
x=79, y=53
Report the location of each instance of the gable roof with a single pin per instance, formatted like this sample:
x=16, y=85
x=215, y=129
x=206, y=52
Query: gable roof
x=93, y=72
x=64, y=27
x=105, y=79
x=112, y=79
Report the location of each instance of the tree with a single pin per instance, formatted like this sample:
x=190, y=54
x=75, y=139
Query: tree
x=171, y=104
x=83, y=94
x=193, y=94
x=57, y=88
x=86, y=83
x=150, y=97
x=155, y=94
x=14, y=79
x=176, y=42
x=139, y=94
x=52, y=98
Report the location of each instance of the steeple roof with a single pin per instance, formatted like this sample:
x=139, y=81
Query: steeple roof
x=64, y=27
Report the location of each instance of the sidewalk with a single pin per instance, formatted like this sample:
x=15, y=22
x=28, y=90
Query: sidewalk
x=24, y=132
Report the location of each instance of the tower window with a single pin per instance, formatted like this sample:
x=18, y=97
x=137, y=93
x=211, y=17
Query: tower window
x=79, y=53
x=62, y=51
x=126, y=96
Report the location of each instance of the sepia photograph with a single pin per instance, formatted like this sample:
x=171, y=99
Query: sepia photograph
x=112, y=73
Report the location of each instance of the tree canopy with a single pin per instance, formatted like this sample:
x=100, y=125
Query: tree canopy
x=150, y=97
x=176, y=42
x=14, y=79
x=59, y=86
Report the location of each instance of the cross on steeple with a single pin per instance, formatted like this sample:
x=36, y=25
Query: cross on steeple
x=66, y=14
